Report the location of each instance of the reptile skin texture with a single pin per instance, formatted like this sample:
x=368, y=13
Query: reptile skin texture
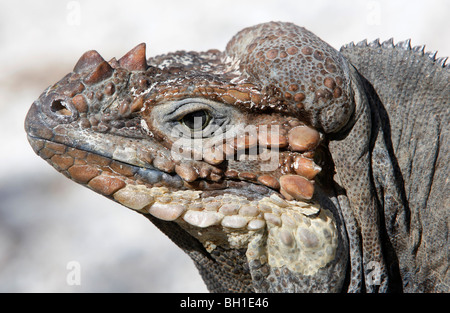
x=278, y=165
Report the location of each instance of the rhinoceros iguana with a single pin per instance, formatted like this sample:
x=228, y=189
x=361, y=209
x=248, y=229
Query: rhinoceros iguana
x=277, y=165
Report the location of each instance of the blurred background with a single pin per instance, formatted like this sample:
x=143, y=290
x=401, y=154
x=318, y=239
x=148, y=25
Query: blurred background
x=52, y=229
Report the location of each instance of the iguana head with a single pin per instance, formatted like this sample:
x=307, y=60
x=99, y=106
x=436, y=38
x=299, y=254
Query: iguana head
x=230, y=147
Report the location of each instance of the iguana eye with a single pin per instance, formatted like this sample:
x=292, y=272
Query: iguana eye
x=193, y=118
x=197, y=120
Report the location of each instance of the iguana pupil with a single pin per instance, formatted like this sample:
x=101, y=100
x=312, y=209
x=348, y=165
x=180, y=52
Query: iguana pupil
x=196, y=121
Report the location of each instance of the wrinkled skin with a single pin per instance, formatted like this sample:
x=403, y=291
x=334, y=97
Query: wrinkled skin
x=278, y=165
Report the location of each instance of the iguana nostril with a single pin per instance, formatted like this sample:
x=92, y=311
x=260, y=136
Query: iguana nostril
x=59, y=107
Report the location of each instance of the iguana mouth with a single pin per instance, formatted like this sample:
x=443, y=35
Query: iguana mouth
x=167, y=196
x=97, y=160
x=301, y=235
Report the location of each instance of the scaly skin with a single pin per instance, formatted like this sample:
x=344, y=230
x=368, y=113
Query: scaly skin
x=259, y=161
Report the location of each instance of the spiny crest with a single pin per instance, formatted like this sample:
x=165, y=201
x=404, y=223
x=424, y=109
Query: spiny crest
x=405, y=44
x=135, y=59
x=401, y=45
x=91, y=61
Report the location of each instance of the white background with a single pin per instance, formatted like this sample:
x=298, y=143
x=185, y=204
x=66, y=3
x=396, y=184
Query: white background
x=47, y=221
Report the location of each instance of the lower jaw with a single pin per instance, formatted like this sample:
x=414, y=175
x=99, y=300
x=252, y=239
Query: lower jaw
x=297, y=235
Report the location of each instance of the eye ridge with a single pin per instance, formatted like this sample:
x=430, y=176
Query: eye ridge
x=197, y=120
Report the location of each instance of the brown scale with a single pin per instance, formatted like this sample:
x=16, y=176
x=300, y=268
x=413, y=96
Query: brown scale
x=294, y=175
x=296, y=168
x=103, y=175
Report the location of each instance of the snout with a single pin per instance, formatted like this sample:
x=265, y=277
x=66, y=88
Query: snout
x=46, y=113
